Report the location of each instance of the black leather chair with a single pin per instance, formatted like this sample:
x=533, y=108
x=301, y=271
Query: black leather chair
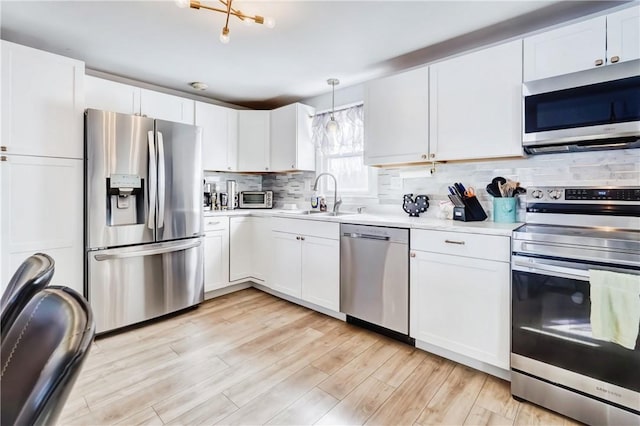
x=32, y=276
x=41, y=356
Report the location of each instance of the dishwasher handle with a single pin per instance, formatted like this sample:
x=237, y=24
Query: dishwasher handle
x=365, y=236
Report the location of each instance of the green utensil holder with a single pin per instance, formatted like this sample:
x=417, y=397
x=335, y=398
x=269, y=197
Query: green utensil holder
x=504, y=210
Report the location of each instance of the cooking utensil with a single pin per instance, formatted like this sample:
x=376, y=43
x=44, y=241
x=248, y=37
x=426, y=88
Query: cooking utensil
x=493, y=190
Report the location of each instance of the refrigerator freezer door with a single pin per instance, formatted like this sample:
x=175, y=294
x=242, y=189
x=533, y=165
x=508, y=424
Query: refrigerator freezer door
x=133, y=284
x=118, y=154
x=179, y=181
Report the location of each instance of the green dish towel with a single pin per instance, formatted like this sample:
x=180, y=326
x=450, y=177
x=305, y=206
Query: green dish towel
x=615, y=307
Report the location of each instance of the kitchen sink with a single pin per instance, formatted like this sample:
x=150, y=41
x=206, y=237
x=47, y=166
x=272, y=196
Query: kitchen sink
x=319, y=213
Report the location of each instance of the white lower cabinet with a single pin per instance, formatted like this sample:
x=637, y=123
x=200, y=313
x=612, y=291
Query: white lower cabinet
x=286, y=267
x=241, y=247
x=41, y=201
x=250, y=245
x=216, y=253
x=261, y=248
x=320, y=271
x=461, y=303
x=306, y=261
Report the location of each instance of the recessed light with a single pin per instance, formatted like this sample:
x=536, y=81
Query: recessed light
x=198, y=85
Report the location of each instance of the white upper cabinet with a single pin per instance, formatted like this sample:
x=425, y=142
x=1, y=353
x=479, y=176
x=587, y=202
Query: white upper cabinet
x=396, y=114
x=166, y=107
x=253, y=141
x=600, y=41
x=42, y=103
x=219, y=136
x=623, y=35
x=291, y=144
x=109, y=95
x=476, y=104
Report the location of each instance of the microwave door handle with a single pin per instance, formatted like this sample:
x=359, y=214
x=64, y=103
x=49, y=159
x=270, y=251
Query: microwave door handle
x=161, y=181
x=552, y=270
x=152, y=180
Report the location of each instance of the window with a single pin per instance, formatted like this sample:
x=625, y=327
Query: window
x=342, y=154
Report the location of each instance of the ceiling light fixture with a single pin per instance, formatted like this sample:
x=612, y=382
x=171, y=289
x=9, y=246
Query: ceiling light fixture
x=198, y=85
x=228, y=10
x=333, y=128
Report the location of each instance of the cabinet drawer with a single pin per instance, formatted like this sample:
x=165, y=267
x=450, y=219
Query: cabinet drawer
x=490, y=247
x=311, y=228
x=216, y=223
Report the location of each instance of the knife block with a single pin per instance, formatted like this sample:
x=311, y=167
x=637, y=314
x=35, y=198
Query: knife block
x=471, y=212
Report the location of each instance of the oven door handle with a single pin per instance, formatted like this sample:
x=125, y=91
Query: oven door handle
x=557, y=271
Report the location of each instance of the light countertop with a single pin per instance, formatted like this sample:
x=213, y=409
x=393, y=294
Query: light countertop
x=382, y=219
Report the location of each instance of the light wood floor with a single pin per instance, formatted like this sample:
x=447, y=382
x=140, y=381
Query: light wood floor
x=251, y=358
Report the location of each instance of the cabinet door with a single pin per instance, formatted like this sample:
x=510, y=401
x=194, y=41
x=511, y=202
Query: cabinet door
x=166, y=107
x=396, y=114
x=321, y=272
x=41, y=202
x=42, y=103
x=291, y=145
x=565, y=50
x=261, y=248
x=253, y=141
x=285, y=263
x=240, y=247
x=623, y=35
x=217, y=139
x=462, y=305
x=108, y=95
x=216, y=259
x=476, y=104
x=232, y=141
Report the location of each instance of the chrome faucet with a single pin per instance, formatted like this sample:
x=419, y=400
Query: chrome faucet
x=336, y=202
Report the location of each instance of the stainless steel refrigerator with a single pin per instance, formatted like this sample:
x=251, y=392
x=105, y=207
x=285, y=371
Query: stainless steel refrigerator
x=143, y=218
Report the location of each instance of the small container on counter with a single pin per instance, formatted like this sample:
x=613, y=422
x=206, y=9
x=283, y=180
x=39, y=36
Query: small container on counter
x=323, y=204
x=504, y=209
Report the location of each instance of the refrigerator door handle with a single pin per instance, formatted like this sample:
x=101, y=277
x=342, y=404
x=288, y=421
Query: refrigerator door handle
x=156, y=249
x=152, y=180
x=161, y=181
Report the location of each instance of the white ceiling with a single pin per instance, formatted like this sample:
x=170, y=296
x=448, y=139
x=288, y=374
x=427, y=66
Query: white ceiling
x=159, y=43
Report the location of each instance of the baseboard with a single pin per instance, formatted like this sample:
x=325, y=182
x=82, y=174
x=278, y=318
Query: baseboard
x=465, y=360
x=226, y=290
x=312, y=306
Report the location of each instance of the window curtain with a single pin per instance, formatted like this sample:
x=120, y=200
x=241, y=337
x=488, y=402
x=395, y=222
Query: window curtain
x=350, y=137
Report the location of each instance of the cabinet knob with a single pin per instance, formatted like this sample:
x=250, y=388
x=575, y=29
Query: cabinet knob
x=298, y=238
x=3, y=158
x=412, y=254
x=228, y=168
x=266, y=168
x=293, y=166
x=432, y=156
x=423, y=156
x=615, y=59
x=599, y=62
x=302, y=238
x=3, y=148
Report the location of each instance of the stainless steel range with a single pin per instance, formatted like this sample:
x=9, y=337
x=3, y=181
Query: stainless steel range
x=576, y=303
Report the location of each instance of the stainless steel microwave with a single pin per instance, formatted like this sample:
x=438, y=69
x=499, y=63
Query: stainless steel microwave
x=255, y=200
x=587, y=110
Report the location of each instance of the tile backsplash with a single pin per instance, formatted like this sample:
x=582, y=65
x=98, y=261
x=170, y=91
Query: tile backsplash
x=618, y=167
x=244, y=181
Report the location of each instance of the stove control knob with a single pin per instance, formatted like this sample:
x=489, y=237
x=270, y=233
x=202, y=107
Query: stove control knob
x=536, y=193
x=555, y=194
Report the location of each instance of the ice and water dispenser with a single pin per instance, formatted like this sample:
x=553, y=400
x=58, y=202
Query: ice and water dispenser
x=125, y=200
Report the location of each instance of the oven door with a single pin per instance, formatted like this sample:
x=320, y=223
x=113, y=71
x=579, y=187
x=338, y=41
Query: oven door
x=551, y=330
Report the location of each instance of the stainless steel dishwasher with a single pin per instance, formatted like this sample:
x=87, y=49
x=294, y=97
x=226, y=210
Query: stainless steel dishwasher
x=374, y=278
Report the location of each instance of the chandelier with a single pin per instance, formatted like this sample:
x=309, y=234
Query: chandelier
x=229, y=11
